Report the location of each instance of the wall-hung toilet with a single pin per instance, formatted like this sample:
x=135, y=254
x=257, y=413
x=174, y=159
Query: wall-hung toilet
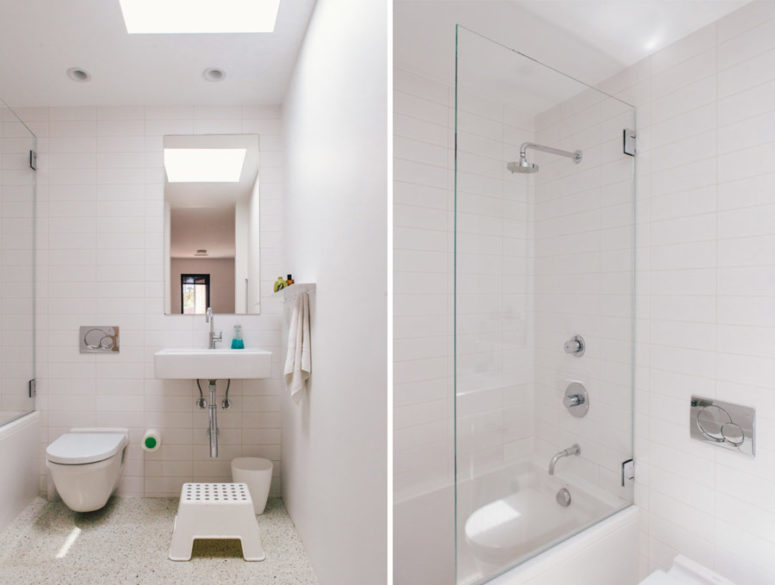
x=86, y=464
x=686, y=572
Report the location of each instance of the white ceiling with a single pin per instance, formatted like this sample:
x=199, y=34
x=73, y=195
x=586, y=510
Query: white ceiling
x=589, y=39
x=629, y=30
x=41, y=39
x=211, y=195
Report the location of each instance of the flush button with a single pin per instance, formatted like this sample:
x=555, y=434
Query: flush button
x=723, y=424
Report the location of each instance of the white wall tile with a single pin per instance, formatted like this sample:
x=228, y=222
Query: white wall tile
x=707, y=279
x=99, y=262
x=706, y=238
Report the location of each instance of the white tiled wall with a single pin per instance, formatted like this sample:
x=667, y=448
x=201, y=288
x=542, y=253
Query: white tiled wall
x=705, y=243
x=584, y=261
x=706, y=228
x=494, y=290
x=494, y=280
x=100, y=258
x=423, y=223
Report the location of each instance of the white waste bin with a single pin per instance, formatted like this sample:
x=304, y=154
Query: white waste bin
x=257, y=473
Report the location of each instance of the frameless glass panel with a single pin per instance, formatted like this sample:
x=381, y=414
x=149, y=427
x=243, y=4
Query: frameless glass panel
x=544, y=211
x=17, y=262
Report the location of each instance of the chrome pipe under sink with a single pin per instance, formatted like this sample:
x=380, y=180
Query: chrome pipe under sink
x=213, y=416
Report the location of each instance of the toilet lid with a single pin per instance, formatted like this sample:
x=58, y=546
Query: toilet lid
x=80, y=448
x=659, y=578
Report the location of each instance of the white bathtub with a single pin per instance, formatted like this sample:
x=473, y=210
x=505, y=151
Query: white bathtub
x=603, y=553
x=19, y=448
x=510, y=515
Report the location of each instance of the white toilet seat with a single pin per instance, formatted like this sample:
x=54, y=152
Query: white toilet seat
x=81, y=448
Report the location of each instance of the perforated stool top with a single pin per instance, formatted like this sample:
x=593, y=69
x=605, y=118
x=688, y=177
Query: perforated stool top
x=221, y=493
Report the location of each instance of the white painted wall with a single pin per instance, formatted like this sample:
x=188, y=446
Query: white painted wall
x=335, y=448
x=241, y=254
x=100, y=261
x=253, y=294
x=222, y=282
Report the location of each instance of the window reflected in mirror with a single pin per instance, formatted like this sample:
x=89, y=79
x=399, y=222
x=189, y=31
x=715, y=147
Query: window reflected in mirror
x=211, y=214
x=194, y=293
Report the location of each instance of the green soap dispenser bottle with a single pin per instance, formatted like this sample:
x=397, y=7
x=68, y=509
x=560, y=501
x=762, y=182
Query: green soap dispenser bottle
x=236, y=342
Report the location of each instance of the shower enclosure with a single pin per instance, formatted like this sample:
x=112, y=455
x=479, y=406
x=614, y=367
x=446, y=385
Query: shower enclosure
x=544, y=307
x=17, y=267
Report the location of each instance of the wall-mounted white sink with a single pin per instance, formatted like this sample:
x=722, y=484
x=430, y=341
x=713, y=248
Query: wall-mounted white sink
x=212, y=364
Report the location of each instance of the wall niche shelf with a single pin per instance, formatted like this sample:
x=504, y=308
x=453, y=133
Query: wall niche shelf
x=291, y=292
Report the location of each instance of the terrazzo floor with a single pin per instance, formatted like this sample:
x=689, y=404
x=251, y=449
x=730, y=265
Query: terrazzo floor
x=126, y=543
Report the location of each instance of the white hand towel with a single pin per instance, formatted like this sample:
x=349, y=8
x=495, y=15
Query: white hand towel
x=298, y=364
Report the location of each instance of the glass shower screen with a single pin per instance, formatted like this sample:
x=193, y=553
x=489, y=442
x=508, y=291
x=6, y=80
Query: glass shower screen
x=544, y=306
x=17, y=266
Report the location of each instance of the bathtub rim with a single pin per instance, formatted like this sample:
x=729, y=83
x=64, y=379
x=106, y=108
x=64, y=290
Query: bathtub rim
x=18, y=423
x=532, y=566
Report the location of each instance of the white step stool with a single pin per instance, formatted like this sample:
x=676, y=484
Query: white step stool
x=215, y=510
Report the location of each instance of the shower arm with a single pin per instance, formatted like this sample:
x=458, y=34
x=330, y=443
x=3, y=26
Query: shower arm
x=576, y=156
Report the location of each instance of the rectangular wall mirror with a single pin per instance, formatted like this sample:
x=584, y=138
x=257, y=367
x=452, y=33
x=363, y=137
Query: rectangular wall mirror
x=211, y=233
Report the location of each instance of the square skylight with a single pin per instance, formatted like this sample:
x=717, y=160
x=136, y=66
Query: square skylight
x=204, y=165
x=199, y=16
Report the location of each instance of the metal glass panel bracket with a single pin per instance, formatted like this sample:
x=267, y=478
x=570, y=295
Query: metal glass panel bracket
x=629, y=142
x=727, y=425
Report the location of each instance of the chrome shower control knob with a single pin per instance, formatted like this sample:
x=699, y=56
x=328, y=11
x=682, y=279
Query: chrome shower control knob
x=575, y=346
x=576, y=399
x=573, y=400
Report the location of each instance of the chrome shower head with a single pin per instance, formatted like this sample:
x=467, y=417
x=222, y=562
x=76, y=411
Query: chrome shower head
x=522, y=166
x=525, y=167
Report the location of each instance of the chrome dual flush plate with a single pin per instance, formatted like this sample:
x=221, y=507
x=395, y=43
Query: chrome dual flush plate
x=98, y=339
x=723, y=424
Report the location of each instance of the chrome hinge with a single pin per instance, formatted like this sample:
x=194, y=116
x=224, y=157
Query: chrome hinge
x=32, y=387
x=628, y=470
x=33, y=160
x=629, y=142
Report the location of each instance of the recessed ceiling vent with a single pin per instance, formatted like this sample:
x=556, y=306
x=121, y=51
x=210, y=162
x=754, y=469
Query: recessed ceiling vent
x=213, y=74
x=78, y=74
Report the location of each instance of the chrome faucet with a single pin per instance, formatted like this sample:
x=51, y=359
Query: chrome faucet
x=213, y=338
x=572, y=450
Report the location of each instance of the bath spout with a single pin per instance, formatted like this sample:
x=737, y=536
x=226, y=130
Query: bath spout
x=572, y=450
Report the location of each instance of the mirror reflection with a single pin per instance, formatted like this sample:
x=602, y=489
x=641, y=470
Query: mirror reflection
x=211, y=214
